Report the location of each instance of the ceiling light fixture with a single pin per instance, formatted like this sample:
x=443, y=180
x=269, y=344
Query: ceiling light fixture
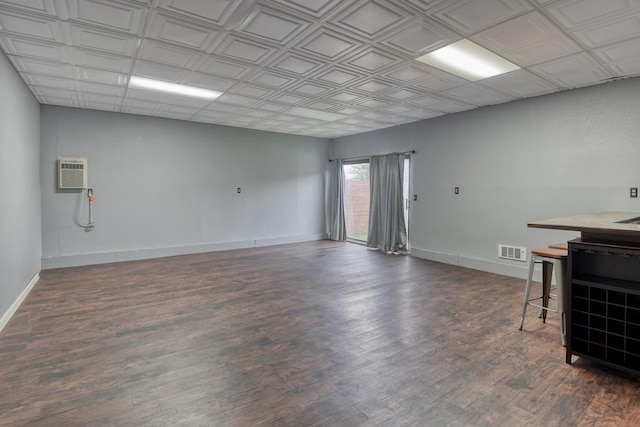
x=176, y=89
x=468, y=60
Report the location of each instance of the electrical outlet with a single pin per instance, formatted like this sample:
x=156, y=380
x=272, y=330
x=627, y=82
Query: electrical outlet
x=456, y=190
x=633, y=193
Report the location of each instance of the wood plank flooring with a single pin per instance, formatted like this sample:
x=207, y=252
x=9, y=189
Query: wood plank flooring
x=310, y=334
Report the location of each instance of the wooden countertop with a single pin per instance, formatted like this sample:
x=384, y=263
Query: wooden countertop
x=595, y=223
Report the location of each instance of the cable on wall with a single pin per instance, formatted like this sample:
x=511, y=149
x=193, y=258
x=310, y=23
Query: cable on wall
x=86, y=224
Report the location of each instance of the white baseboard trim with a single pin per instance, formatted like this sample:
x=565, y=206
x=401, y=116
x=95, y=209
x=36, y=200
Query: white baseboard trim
x=16, y=304
x=518, y=270
x=147, y=253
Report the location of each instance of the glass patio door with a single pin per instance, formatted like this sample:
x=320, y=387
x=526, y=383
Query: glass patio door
x=356, y=200
x=357, y=195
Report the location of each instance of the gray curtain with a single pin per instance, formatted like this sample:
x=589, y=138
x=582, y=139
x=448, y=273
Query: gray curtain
x=387, y=230
x=337, y=229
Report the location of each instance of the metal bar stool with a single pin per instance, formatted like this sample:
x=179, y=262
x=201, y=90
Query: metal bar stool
x=551, y=258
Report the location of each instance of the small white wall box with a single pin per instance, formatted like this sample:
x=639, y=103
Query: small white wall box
x=72, y=173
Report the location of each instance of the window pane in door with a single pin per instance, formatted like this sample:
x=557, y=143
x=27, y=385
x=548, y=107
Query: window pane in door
x=356, y=203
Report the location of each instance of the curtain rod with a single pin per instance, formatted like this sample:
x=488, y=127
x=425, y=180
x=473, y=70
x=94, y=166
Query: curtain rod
x=363, y=158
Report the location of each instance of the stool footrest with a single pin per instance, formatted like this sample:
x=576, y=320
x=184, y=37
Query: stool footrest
x=553, y=310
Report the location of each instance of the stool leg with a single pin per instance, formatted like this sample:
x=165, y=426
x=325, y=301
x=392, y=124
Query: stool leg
x=560, y=288
x=527, y=289
x=547, y=271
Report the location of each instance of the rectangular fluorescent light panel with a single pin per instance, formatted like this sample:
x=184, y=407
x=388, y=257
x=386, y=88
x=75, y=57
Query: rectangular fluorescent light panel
x=173, y=88
x=468, y=60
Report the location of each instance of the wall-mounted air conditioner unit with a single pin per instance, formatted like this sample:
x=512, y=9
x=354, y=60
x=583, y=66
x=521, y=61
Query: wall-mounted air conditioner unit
x=72, y=173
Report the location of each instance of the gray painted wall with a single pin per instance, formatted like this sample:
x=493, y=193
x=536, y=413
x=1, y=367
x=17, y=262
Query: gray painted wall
x=165, y=187
x=563, y=154
x=20, y=241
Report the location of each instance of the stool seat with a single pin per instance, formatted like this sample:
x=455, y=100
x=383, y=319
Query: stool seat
x=552, y=259
x=550, y=252
x=563, y=246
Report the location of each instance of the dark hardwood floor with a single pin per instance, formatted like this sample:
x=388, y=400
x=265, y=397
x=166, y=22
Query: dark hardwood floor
x=319, y=333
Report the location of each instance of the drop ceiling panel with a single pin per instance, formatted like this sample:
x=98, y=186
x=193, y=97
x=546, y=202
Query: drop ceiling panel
x=521, y=84
x=189, y=34
x=97, y=39
x=209, y=81
x=608, y=32
x=222, y=108
x=93, y=105
x=543, y=2
x=574, y=13
x=622, y=57
x=33, y=49
x=573, y=71
x=50, y=92
x=239, y=100
x=289, y=99
x=296, y=64
x=272, y=25
x=351, y=58
x=320, y=105
x=100, y=89
x=470, y=16
x=370, y=18
x=47, y=81
x=99, y=76
x=47, y=29
x=224, y=67
x=63, y=102
x=351, y=112
x=402, y=94
x=245, y=50
x=420, y=37
x=36, y=66
x=371, y=60
x=478, y=95
x=39, y=6
x=156, y=71
x=373, y=104
x=110, y=14
x=162, y=53
x=422, y=5
x=311, y=89
x=101, y=60
x=314, y=8
x=258, y=113
x=337, y=76
x=216, y=11
x=327, y=44
x=441, y=81
x=98, y=100
x=270, y=106
x=345, y=97
x=208, y=116
x=271, y=79
x=373, y=86
x=411, y=73
x=526, y=40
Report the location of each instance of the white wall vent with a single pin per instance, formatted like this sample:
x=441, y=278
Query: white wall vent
x=72, y=173
x=512, y=252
